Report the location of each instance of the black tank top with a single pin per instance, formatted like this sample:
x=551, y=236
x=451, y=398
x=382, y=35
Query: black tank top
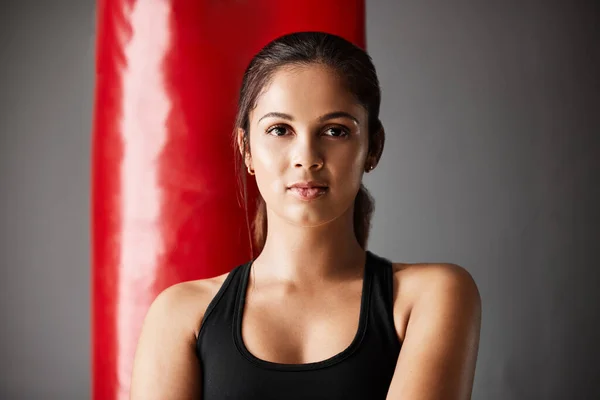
x=362, y=371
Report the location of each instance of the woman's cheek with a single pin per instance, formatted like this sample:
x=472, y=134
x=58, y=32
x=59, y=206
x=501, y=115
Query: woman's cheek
x=269, y=183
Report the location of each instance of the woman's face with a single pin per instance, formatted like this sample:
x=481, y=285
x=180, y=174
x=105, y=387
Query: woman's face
x=308, y=127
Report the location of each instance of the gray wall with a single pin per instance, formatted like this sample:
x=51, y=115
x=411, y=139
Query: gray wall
x=46, y=96
x=492, y=117
x=492, y=112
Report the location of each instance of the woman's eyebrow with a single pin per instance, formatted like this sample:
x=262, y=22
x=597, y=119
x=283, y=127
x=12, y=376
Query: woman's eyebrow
x=338, y=114
x=328, y=116
x=277, y=115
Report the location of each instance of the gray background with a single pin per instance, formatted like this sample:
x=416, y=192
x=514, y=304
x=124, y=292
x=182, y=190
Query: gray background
x=492, y=115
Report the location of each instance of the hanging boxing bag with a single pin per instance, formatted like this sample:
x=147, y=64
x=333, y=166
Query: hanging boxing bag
x=165, y=203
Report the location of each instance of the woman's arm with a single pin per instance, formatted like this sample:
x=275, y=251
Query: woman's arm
x=165, y=364
x=439, y=351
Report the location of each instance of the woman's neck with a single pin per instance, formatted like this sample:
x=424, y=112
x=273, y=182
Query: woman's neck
x=306, y=256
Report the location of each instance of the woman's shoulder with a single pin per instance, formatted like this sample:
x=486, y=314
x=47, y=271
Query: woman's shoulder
x=420, y=283
x=185, y=303
x=413, y=278
x=168, y=337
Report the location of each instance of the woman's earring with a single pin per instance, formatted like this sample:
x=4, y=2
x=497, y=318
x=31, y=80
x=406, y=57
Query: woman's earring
x=250, y=171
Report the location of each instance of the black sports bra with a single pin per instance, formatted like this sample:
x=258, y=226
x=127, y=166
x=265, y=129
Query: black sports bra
x=363, y=370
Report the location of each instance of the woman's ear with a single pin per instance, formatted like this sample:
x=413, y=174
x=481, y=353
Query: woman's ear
x=244, y=146
x=376, y=147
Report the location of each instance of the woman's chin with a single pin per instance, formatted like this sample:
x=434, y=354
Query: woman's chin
x=311, y=216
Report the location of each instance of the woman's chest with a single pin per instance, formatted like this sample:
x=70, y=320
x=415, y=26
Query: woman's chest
x=300, y=329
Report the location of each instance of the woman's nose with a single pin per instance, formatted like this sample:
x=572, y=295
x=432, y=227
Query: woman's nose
x=316, y=165
x=307, y=153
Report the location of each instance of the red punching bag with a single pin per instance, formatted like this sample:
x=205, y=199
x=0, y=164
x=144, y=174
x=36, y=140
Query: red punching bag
x=165, y=206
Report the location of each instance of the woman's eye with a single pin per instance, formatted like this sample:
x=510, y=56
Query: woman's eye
x=333, y=131
x=277, y=131
x=337, y=132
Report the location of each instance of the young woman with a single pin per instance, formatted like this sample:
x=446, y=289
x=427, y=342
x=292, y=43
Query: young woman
x=315, y=315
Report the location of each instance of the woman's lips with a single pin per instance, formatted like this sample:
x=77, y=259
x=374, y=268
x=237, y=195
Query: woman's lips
x=308, y=193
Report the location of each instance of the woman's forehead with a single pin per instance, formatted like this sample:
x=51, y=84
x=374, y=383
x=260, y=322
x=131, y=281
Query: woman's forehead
x=306, y=92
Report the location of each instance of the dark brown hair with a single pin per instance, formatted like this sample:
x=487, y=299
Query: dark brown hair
x=356, y=69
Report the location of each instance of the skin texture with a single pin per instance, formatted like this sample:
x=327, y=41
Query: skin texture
x=295, y=314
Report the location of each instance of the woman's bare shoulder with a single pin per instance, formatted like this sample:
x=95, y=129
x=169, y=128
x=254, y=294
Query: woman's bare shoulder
x=187, y=301
x=437, y=312
x=413, y=278
x=413, y=282
x=168, y=338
